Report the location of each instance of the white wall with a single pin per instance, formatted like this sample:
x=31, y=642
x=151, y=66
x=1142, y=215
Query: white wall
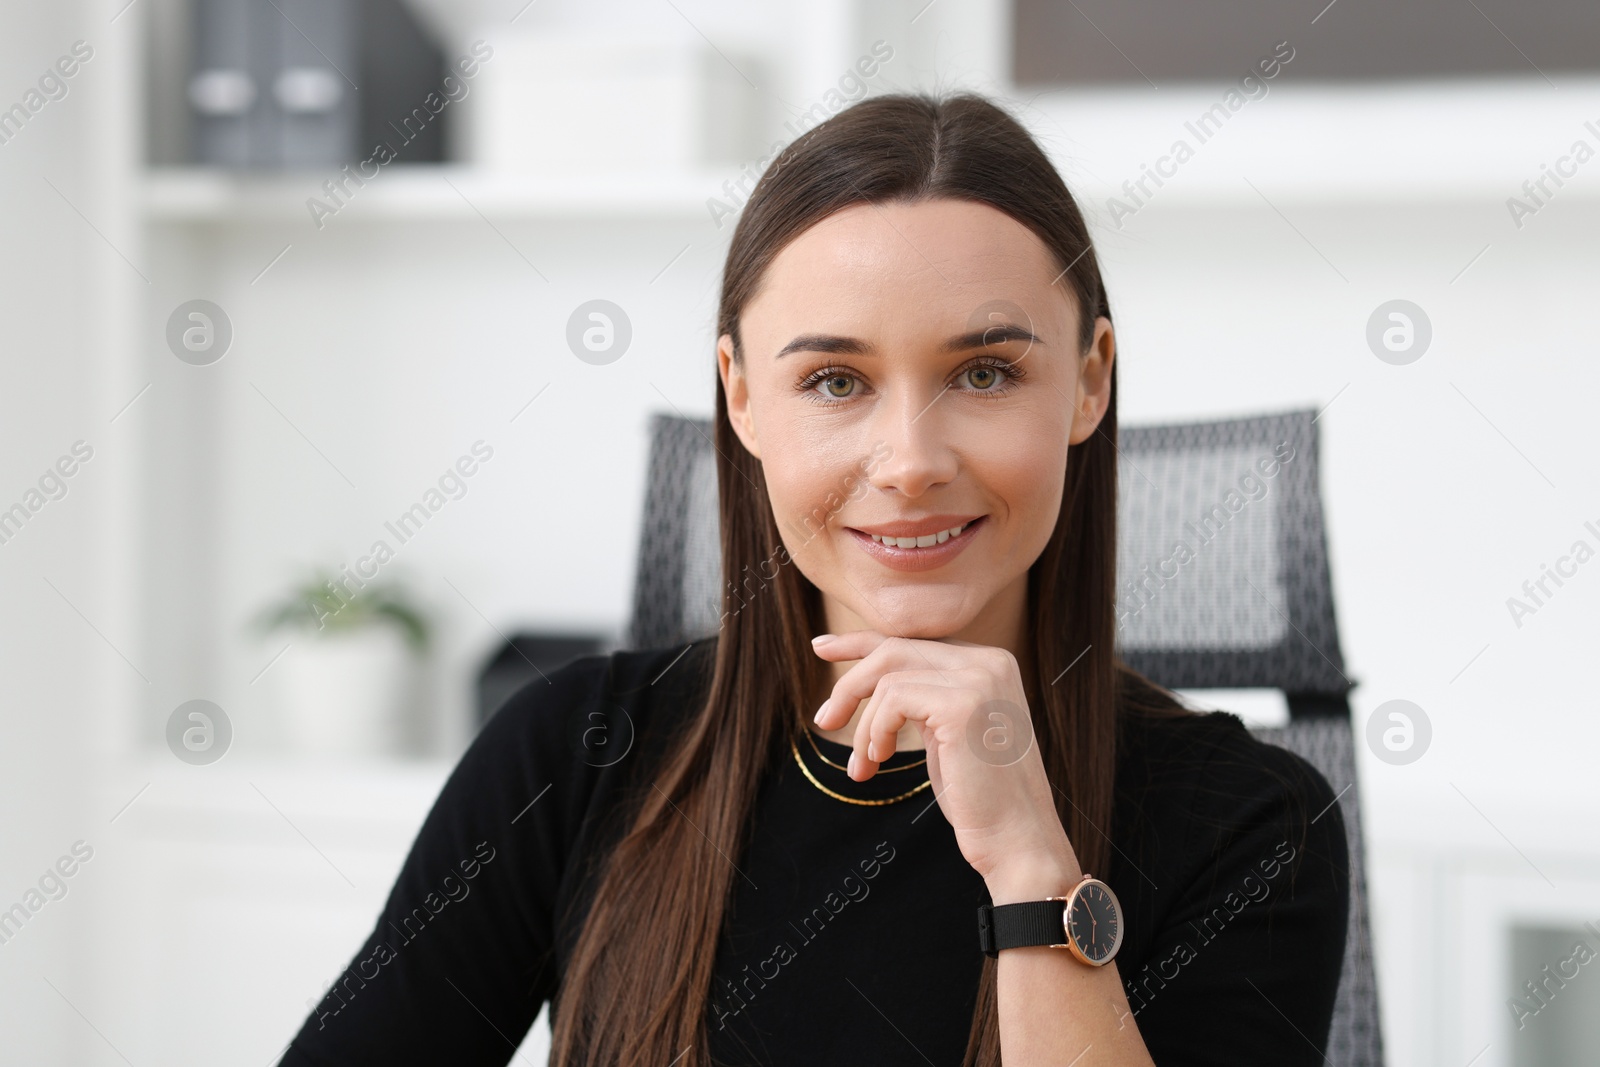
x=1447, y=482
x=65, y=292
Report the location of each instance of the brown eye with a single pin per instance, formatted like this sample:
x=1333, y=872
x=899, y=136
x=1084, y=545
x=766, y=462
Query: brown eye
x=981, y=377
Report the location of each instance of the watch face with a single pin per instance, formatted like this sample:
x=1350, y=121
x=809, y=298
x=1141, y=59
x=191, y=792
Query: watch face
x=1095, y=922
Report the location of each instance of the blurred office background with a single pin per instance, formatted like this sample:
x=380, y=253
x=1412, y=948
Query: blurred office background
x=283, y=280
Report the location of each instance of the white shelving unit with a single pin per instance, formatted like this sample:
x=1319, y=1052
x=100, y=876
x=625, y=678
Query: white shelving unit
x=403, y=193
x=253, y=879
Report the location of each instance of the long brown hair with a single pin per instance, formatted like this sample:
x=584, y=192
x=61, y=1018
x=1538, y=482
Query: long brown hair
x=637, y=985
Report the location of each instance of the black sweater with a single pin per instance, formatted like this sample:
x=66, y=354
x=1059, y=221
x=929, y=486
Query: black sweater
x=853, y=932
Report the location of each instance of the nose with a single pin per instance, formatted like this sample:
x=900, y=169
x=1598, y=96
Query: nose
x=921, y=452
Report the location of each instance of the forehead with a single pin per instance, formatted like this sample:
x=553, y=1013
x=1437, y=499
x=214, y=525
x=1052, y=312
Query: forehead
x=937, y=258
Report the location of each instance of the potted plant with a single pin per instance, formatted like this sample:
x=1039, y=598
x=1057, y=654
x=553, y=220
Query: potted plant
x=345, y=681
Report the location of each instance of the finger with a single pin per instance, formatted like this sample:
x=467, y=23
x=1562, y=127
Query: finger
x=881, y=746
x=903, y=702
x=853, y=644
x=879, y=750
x=891, y=654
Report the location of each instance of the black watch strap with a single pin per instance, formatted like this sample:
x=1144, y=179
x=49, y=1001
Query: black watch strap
x=1031, y=922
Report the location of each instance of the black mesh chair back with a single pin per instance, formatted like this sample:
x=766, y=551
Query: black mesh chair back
x=1223, y=583
x=1222, y=580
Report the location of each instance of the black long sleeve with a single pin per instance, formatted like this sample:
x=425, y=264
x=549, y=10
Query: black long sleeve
x=1247, y=843
x=852, y=935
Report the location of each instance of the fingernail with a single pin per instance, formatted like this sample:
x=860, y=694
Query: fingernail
x=821, y=639
x=850, y=768
x=817, y=718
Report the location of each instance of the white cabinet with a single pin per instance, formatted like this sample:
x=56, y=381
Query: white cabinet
x=230, y=896
x=1446, y=910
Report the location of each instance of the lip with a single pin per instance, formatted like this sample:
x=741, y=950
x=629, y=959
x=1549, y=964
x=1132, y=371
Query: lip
x=917, y=559
x=916, y=527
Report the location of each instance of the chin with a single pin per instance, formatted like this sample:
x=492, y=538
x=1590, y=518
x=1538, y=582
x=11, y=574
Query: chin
x=929, y=613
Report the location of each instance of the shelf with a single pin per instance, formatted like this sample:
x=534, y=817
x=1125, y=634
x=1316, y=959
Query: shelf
x=1334, y=144
x=1473, y=141
x=426, y=192
x=156, y=788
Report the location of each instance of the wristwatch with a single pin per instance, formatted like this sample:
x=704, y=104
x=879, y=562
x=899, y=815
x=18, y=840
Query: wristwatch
x=1087, y=922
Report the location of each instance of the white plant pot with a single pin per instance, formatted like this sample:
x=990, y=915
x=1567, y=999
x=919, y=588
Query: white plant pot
x=346, y=693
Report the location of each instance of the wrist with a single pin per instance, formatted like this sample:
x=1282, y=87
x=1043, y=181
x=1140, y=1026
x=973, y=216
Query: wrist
x=1034, y=875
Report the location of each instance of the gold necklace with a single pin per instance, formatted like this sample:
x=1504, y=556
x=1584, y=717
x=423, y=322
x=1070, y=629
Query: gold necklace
x=882, y=770
x=840, y=796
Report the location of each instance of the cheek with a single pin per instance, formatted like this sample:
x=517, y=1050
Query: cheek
x=813, y=468
x=1023, y=470
x=811, y=485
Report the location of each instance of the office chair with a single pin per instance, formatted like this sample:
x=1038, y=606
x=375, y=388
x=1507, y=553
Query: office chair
x=1250, y=607
x=527, y=656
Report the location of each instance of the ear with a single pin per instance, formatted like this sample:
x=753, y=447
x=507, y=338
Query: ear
x=1093, y=397
x=737, y=391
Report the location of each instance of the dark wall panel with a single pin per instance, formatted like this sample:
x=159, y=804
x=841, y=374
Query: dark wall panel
x=1065, y=42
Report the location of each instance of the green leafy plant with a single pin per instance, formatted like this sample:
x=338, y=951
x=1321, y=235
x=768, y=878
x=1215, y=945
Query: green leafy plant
x=320, y=604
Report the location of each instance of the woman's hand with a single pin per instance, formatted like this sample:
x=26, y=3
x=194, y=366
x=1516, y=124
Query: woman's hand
x=987, y=774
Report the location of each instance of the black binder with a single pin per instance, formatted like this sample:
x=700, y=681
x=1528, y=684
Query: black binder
x=307, y=84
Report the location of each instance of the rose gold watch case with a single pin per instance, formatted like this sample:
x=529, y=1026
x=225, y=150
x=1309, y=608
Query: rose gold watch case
x=1071, y=899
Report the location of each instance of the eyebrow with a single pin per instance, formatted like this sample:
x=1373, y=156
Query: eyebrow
x=836, y=344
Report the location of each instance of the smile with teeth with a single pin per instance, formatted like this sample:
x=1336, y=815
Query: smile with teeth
x=925, y=541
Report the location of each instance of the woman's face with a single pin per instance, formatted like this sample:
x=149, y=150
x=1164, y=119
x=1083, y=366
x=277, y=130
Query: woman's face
x=912, y=371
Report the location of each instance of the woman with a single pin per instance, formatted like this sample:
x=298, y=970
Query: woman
x=728, y=853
